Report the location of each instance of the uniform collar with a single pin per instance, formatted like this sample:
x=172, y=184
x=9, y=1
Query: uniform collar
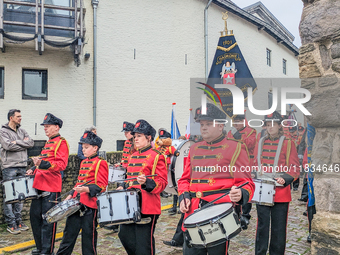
x=274, y=138
x=54, y=136
x=217, y=140
x=93, y=156
x=144, y=149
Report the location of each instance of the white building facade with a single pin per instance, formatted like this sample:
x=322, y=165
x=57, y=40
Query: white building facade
x=147, y=52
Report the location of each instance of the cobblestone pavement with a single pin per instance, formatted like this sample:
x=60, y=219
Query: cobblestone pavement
x=243, y=244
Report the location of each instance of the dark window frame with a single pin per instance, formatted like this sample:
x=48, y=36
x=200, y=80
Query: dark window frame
x=2, y=82
x=284, y=66
x=27, y=97
x=269, y=57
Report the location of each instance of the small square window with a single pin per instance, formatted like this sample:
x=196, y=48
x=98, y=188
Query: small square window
x=269, y=61
x=34, y=84
x=2, y=85
x=284, y=66
x=120, y=145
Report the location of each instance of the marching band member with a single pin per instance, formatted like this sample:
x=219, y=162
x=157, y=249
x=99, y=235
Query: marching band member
x=275, y=217
x=196, y=188
x=95, y=170
x=139, y=238
x=128, y=144
x=247, y=135
x=47, y=181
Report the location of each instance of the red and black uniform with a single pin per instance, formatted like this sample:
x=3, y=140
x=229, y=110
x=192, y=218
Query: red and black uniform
x=95, y=170
x=168, y=151
x=138, y=238
x=275, y=217
x=127, y=151
x=202, y=184
x=248, y=137
x=48, y=179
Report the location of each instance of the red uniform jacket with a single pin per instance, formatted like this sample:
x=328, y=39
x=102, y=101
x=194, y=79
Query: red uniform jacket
x=248, y=137
x=94, y=169
x=288, y=157
x=47, y=175
x=199, y=180
x=148, y=161
x=127, y=151
x=167, y=151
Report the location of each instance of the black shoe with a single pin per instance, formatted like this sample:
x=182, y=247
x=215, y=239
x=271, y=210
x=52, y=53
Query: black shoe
x=309, y=239
x=172, y=211
x=304, y=213
x=35, y=252
x=172, y=243
x=244, y=222
x=302, y=200
x=165, y=195
x=115, y=228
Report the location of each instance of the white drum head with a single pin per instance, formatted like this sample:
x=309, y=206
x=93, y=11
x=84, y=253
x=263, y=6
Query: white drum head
x=208, y=213
x=178, y=163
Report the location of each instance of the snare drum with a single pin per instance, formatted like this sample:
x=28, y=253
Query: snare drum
x=62, y=210
x=116, y=173
x=264, y=193
x=118, y=207
x=177, y=165
x=19, y=189
x=211, y=226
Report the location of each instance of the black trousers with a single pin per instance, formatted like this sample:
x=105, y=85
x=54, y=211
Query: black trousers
x=138, y=239
x=296, y=183
x=87, y=223
x=221, y=249
x=304, y=192
x=246, y=210
x=310, y=214
x=43, y=232
x=178, y=236
x=272, y=218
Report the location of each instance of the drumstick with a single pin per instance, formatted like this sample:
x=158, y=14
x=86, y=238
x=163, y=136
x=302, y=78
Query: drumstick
x=227, y=193
x=67, y=193
x=129, y=179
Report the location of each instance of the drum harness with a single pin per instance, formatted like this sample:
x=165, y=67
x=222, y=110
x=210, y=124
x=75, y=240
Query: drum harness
x=271, y=175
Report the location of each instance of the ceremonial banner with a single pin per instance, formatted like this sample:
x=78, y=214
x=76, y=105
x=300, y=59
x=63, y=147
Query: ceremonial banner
x=230, y=68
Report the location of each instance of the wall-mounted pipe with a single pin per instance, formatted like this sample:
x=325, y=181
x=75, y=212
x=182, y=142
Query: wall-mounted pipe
x=95, y=6
x=206, y=38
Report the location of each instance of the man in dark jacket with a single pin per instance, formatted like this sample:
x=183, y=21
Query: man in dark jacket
x=14, y=144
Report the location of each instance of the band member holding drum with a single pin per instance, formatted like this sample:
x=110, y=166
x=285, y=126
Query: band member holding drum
x=206, y=175
x=53, y=159
x=284, y=160
x=128, y=144
x=14, y=144
x=247, y=135
x=95, y=170
x=139, y=238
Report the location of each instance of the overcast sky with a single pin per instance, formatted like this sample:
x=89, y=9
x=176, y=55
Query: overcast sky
x=288, y=12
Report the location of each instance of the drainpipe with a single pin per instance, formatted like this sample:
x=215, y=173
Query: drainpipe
x=206, y=38
x=95, y=6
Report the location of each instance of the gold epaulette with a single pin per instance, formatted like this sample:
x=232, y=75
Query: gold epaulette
x=158, y=152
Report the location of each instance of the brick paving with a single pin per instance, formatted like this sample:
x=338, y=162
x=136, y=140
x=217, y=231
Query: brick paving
x=108, y=242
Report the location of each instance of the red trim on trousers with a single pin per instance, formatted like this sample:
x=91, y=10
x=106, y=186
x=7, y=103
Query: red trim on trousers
x=94, y=229
x=153, y=224
x=54, y=228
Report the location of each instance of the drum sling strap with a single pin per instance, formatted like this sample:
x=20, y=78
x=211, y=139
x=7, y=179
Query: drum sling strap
x=276, y=159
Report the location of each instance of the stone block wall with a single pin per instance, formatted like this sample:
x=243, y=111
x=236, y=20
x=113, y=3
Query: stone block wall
x=69, y=180
x=319, y=63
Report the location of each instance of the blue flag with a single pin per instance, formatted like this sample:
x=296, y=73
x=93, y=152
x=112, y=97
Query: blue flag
x=230, y=68
x=310, y=174
x=174, y=127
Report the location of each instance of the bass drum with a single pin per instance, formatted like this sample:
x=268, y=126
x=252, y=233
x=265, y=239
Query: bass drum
x=175, y=169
